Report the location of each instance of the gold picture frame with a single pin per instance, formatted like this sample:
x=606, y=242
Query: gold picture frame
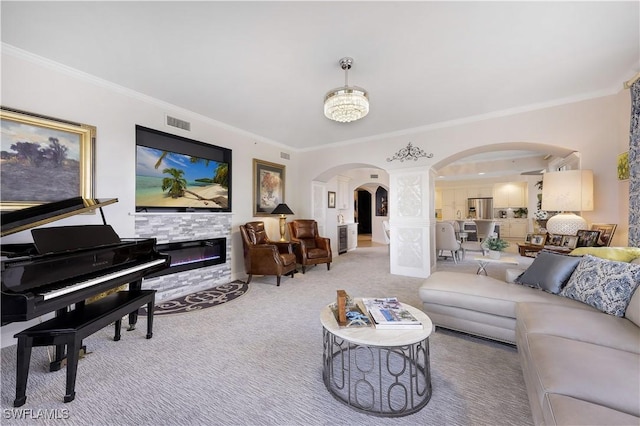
x=268, y=186
x=606, y=233
x=44, y=159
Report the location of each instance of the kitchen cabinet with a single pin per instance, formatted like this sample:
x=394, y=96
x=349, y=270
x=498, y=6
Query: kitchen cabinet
x=343, y=196
x=438, y=199
x=347, y=237
x=480, y=192
x=454, y=200
x=352, y=236
x=513, y=228
x=510, y=194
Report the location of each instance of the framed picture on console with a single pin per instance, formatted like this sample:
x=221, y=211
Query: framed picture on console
x=268, y=186
x=538, y=239
x=606, y=233
x=569, y=241
x=554, y=240
x=587, y=238
x=38, y=151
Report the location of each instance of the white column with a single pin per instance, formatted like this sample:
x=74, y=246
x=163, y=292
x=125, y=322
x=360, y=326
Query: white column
x=410, y=213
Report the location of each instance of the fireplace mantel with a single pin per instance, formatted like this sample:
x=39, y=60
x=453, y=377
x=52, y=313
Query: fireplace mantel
x=176, y=227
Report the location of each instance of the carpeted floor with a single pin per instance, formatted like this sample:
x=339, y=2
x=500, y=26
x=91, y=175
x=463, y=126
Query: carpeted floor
x=258, y=361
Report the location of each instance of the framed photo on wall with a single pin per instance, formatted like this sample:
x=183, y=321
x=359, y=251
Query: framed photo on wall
x=268, y=186
x=331, y=199
x=44, y=159
x=587, y=238
x=606, y=233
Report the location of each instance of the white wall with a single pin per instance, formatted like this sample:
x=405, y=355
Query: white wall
x=591, y=127
x=47, y=89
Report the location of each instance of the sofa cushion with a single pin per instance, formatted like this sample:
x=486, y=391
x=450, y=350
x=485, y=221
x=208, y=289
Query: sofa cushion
x=592, y=373
x=549, y=271
x=606, y=285
x=484, y=294
x=621, y=254
x=565, y=410
x=564, y=321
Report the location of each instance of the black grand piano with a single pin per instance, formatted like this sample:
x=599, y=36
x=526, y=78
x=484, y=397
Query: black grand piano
x=61, y=269
x=66, y=265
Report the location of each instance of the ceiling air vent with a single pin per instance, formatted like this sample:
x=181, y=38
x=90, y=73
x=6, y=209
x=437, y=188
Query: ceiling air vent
x=284, y=155
x=180, y=124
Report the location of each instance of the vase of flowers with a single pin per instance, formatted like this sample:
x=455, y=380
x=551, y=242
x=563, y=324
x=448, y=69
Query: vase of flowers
x=495, y=246
x=540, y=222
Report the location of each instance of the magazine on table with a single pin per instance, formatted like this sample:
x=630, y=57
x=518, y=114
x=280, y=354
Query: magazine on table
x=389, y=313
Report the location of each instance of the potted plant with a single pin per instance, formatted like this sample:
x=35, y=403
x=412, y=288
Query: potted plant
x=495, y=246
x=520, y=212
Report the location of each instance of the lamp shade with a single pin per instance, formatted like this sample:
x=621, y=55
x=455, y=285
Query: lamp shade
x=570, y=190
x=567, y=191
x=282, y=209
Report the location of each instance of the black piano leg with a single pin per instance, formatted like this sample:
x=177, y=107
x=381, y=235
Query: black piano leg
x=22, y=373
x=133, y=316
x=150, y=306
x=72, y=368
x=116, y=337
x=59, y=361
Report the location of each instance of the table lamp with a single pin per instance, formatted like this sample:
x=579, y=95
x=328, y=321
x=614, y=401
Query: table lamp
x=282, y=210
x=567, y=191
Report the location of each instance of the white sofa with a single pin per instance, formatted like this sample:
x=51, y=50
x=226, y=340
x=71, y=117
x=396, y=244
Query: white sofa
x=580, y=365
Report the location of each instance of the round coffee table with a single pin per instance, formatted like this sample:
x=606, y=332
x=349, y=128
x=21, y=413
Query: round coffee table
x=380, y=372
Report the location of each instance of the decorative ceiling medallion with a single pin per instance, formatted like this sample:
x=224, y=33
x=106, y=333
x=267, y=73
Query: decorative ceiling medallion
x=410, y=153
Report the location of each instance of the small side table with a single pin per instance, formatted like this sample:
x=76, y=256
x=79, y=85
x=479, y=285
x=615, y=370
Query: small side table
x=483, y=261
x=381, y=372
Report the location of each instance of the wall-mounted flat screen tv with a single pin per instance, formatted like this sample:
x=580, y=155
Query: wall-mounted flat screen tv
x=174, y=173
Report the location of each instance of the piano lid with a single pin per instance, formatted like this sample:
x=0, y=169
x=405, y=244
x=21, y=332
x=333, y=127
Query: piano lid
x=20, y=220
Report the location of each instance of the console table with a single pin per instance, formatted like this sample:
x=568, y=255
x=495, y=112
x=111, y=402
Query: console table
x=381, y=372
x=530, y=250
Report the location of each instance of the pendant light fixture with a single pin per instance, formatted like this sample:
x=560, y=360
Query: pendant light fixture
x=346, y=103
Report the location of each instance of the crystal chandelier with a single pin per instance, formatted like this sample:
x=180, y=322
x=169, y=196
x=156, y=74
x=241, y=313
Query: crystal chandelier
x=346, y=103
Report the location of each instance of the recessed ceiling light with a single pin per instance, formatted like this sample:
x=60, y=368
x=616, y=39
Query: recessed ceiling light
x=481, y=173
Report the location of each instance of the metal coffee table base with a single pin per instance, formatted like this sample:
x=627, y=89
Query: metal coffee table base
x=384, y=381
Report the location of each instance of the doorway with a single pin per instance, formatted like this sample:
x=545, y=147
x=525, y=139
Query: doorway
x=363, y=212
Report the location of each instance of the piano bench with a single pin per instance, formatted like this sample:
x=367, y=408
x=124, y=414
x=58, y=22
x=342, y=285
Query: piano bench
x=71, y=327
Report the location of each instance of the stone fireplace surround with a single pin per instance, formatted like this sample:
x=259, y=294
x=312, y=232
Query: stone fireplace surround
x=174, y=227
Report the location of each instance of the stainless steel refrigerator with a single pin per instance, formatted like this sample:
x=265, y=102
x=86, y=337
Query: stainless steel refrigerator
x=480, y=208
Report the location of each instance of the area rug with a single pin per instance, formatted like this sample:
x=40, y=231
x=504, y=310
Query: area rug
x=202, y=299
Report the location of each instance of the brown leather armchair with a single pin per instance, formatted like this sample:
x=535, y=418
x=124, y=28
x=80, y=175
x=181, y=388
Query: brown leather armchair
x=263, y=256
x=311, y=249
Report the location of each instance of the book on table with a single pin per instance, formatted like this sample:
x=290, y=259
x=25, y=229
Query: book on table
x=389, y=313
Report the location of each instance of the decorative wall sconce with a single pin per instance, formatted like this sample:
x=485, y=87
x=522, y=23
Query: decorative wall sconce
x=410, y=153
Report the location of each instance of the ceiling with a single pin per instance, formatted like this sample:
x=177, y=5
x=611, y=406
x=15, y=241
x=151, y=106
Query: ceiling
x=264, y=67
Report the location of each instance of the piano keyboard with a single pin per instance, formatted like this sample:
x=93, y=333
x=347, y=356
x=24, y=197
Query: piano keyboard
x=85, y=284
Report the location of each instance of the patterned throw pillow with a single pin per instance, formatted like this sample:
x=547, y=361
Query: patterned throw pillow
x=606, y=285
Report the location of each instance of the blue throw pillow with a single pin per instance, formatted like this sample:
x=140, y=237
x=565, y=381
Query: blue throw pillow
x=549, y=271
x=607, y=285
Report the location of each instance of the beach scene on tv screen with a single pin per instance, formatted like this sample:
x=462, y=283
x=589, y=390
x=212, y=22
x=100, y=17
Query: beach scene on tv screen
x=170, y=179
